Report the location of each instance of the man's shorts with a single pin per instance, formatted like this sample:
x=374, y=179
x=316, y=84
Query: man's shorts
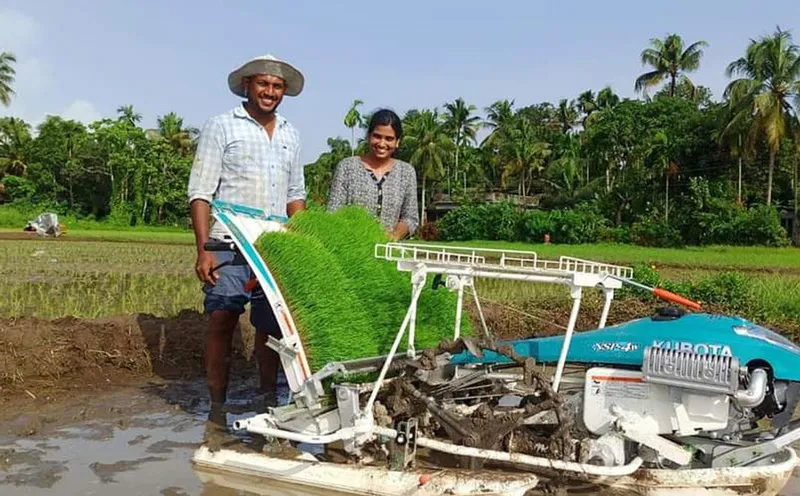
x=229, y=293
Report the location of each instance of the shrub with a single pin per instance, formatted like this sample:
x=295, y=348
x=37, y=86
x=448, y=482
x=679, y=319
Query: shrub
x=581, y=224
x=492, y=221
x=653, y=230
x=730, y=289
x=16, y=188
x=535, y=224
x=760, y=225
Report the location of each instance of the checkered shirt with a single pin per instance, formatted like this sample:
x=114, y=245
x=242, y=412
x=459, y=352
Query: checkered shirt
x=237, y=162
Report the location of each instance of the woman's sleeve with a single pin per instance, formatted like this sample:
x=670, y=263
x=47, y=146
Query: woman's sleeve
x=410, y=212
x=338, y=192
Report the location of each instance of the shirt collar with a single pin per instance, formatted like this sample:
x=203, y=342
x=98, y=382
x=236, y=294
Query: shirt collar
x=240, y=112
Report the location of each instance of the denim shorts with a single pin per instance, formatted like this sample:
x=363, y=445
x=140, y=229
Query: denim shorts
x=229, y=293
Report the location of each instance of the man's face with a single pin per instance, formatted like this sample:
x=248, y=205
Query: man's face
x=265, y=92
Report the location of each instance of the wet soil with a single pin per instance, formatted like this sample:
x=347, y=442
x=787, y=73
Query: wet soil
x=46, y=363
x=119, y=404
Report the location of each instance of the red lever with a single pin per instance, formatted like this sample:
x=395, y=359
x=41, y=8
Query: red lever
x=669, y=296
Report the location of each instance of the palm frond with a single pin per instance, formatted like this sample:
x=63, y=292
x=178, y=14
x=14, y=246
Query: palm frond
x=648, y=79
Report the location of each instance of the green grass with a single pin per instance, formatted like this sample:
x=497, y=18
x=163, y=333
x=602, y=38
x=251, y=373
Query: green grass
x=717, y=257
x=140, y=235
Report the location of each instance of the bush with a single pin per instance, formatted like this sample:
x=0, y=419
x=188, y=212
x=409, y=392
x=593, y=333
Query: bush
x=507, y=222
x=730, y=289
x=493, y=221
x=535, y=224
x=653, y=230
x=16, y=188
x=706, y=218
x=582, y=224
x=760, y=225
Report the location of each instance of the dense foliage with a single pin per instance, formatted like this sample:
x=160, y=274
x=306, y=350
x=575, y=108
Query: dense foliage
x=672, y=167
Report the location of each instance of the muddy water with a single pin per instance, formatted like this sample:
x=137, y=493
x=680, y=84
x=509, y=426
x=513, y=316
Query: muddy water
x=151, y=456
x=147, y=453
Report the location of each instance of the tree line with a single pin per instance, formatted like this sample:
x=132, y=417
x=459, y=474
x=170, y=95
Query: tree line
x=659, y=158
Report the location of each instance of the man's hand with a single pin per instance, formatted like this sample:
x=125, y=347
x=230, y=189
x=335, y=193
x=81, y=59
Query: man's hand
x=205, y=262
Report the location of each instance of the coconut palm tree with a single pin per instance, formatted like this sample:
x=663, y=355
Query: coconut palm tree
x=767, y=93
x=463, y=125
x=567, y=115
x=526, y=154
x=429, y=145
x=15, y=140
x=352, y=119
x=587, y=104
x=182, y=140
x=669, y=60
x=7, y=73
x=127, y=114
x=499, y=116
x=606, y=98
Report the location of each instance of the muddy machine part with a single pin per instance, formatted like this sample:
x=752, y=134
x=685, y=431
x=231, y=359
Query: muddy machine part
x=671, y=404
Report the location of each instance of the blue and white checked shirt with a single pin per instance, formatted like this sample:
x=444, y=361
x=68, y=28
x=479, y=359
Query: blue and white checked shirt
x=237, y=162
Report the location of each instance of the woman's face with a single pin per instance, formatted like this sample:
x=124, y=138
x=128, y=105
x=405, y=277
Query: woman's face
x=383, y=142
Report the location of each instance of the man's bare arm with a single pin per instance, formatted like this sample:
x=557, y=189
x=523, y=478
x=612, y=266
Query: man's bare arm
x=201, y=212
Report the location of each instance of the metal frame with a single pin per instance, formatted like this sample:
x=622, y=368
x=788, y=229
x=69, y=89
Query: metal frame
x=462, y=264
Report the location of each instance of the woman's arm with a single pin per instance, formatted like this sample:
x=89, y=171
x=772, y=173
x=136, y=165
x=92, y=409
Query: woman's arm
x=337, y=197
x=409, y=213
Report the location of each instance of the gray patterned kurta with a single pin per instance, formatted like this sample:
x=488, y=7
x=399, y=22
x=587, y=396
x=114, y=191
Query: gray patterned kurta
x=392, y=199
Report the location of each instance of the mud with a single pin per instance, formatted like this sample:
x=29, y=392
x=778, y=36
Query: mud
x=47, y=364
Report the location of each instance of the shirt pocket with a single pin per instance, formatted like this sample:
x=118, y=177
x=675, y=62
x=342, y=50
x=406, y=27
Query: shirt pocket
x=285, y=157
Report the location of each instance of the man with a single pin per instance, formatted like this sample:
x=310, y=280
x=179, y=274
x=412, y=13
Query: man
x=248, y=155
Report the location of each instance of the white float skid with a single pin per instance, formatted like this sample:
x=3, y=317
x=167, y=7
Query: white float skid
x=312, y=417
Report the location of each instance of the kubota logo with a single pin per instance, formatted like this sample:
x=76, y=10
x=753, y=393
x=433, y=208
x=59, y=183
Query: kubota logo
x=699, y=348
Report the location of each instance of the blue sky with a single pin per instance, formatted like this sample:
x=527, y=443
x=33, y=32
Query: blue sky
x=82, y=59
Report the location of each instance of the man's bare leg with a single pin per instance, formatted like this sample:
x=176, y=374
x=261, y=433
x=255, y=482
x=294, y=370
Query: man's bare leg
x=218, y=358
x=268, y=364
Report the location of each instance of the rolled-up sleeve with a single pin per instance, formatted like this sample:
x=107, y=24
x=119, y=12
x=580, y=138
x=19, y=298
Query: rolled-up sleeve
x=409, y=212
x=297, y=180
x=207, y=164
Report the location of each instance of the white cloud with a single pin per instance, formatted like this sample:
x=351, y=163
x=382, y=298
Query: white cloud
x=18, y=31
x=20, y=34
x=83, y=111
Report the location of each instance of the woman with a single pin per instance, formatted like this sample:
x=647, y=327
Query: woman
x=385, y=186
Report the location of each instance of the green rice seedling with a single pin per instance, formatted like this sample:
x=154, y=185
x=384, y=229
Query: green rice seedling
x=332, y=322
x=345, y=242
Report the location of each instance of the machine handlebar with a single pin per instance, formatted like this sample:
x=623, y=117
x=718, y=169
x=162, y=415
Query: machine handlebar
x=219, y=246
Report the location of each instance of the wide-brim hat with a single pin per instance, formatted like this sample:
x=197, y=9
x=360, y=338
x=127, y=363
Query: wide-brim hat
x=267, y=64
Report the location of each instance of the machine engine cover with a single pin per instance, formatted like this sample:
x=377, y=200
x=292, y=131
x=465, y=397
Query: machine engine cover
x=661, y=409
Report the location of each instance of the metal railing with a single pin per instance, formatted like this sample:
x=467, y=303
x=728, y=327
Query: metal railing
x=493, y=259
